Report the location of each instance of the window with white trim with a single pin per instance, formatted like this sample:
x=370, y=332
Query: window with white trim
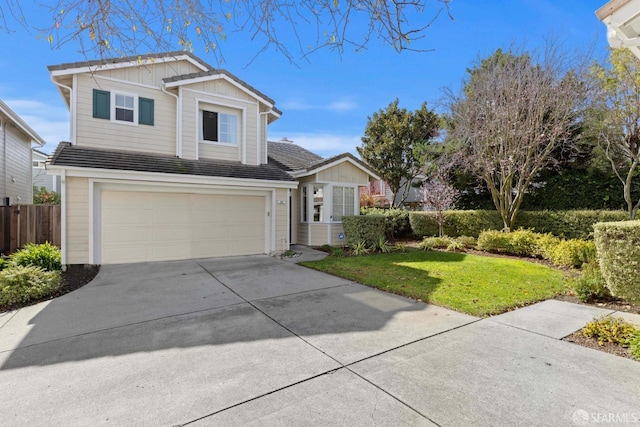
x=124, y=107
x=304, y=204
x=219, y=127
x=343, y=202
x=318, y=203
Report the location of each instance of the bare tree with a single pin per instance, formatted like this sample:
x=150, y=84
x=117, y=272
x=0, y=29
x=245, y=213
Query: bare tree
x=108, y=28
x=512, y=115
x=616, y=116
x=439, y=195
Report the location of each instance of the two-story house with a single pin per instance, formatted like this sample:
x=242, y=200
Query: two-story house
x=168, y=159
x=16, y=139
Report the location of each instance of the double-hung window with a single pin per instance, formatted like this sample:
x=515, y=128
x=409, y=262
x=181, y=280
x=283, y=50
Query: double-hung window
x=343, y=202
x=219, y=127
x=122, y=107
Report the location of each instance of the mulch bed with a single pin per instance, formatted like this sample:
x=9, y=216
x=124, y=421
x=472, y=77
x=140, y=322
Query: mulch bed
x=607, y=347
x=75, y=277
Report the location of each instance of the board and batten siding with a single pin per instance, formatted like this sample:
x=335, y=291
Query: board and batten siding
x=151, y=74
x=220, y=96
x=344, y=172
x=77, y=220
x=16, y=164
x=102, y=133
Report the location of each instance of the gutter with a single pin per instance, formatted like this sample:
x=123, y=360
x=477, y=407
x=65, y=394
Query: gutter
x=178, y=98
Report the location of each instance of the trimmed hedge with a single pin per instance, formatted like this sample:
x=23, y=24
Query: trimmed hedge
x=396, y=221
x=618, y=252
x=20, y=284
x=369, y=229
x=568, y=224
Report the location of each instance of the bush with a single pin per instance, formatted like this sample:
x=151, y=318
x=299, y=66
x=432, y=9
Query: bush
x=494, y=241
x=20, y=284
x=44, y=255
x=430, y=243
x=567, y=224
x=634, y=345
x=618, y=252
x=610, y=329
x=4, y=263
x=396, y=221
x=573, y=252
x=524, y=242
x=591, y=284
x=364, y=228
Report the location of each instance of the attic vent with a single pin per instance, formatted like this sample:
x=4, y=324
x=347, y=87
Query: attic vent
x=284, y=139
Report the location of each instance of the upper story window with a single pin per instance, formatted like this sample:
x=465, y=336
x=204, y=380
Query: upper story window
x=122, y=107
x=219, y=127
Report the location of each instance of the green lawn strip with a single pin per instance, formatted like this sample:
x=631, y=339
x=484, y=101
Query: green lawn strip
x=473, y=284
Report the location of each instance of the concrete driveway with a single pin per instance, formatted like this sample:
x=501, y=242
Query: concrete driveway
x=262, y=341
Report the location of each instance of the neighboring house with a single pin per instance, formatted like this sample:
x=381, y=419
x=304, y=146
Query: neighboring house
x=379, y=194
x=167, y=160
x=39, y=174
x=622, y=18
x=15, y=157
x=329, y=189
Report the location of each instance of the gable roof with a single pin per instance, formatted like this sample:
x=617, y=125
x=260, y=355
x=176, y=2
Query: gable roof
x=68, y=155
x=301, y=162
x=208, y=72
x=20, y=124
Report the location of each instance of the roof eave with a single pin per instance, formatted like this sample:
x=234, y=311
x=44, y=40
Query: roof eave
x=21, y=124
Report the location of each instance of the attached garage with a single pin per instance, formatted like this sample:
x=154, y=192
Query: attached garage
x=138, y=226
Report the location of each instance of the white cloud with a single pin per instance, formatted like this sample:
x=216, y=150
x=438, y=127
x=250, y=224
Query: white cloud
x=339, y=105
x=51, y=123
x=324, y=144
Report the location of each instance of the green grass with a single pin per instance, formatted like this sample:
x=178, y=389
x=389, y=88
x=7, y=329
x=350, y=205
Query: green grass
x=473, y=284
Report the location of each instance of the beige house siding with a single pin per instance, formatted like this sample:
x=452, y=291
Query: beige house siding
x=16, y=164
x=77, y=220
x=151, y=74
x=281, y=220
x=344, y=172
x=102, y=133
x=336, y=229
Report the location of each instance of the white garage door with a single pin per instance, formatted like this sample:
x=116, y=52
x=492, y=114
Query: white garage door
x=151, y=226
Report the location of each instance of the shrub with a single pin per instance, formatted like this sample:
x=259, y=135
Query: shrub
x=573, y=252
x=618, y=252
x=634, y=345
x=430, y=243
x=382, y=246
x=546, y=245
x=337, y=252
x=396, y=221
x=610, y=329
x=3, y=263
x=523, y=242
x=364, y=228
x=359, y=248
x=44, y=255
x=467, y=241
x=494, y=241
x=456, y=246
x=591, y=284
x=20, y=284
x=567, y=224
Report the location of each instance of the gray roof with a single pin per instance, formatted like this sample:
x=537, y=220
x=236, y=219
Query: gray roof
x=290, y=157
x=73, y=156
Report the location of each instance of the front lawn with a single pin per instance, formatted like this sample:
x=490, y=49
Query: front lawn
x=474, y=284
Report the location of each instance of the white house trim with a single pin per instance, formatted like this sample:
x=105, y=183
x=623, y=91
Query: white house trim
x=141, y=63
x=243, y=118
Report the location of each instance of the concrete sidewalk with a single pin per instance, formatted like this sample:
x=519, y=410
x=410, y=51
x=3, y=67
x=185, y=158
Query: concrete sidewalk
x=262, y=341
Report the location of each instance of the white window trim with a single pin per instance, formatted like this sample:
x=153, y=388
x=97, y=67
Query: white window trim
x=113, y=108
x=356, y=197
x=201, y=139
x=242, y=140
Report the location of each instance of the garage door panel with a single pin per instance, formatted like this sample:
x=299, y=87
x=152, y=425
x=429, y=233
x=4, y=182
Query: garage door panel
x=155, y=226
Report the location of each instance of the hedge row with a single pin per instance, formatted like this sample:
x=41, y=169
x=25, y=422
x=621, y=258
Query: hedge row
x=568, y=224
x=365, y=228
x=618, y=253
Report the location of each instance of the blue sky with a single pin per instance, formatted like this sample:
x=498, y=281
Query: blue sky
x=326, y=101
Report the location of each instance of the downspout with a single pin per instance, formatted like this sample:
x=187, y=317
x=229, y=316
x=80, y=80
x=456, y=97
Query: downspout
x=3, y=126
x=72, y=110
x=63, y=218
x=178, y=119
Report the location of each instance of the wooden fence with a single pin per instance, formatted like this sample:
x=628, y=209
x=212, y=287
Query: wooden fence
x=22, y=224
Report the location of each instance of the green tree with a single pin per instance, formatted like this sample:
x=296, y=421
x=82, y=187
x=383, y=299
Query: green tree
x=512, y=115
x=108, y=28
x=394, y=142
x=43, y=197
x=616, y=117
